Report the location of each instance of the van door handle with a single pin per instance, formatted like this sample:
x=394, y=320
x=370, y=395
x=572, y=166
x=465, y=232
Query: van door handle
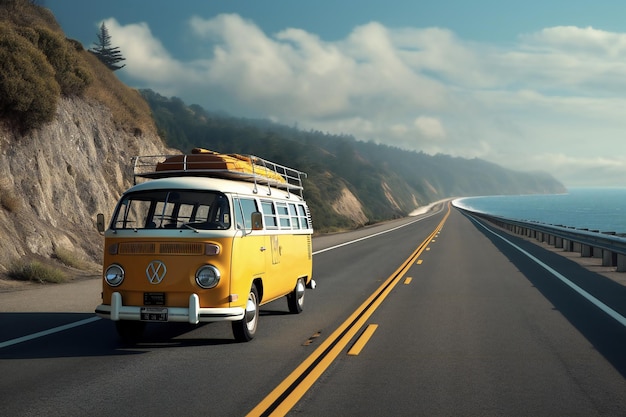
x=262, y=248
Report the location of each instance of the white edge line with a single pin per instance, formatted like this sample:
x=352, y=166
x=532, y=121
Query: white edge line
x=373, y=235
x=608, y=310
x=47, y=332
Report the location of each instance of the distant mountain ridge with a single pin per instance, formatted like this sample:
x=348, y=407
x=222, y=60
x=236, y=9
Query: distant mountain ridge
x=350, y=182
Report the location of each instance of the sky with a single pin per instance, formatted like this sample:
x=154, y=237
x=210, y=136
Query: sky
x=538, y=85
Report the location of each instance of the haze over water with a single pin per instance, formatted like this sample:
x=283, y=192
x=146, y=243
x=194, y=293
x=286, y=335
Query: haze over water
x=602, y=209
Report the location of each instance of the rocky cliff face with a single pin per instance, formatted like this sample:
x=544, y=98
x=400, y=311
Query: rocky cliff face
x=53, y=181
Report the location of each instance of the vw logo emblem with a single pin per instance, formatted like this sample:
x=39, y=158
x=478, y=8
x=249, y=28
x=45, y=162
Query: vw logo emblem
x=156, y=272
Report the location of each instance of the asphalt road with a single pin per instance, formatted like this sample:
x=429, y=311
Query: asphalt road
x=459, y=320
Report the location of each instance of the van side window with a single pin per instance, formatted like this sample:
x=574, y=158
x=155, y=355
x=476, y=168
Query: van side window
x=269, y=215
x=304, y=219
x=295, y=222
x=283, y=215
x=244, y=207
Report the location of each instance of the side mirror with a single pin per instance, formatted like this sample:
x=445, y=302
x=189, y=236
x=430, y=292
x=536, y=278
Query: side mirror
x=100, y=222
x=257, y=221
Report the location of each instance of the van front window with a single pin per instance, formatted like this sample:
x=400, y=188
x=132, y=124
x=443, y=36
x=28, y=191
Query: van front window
x=173, y=209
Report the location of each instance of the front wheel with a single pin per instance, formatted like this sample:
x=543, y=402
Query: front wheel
x=245, y=329
x=295, y=299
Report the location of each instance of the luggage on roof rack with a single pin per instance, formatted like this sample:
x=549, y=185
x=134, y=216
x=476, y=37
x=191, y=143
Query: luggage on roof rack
x=206, y=163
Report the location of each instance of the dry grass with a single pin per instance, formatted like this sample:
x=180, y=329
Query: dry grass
x=35, y=271
x=130, y=111
x=70, y=258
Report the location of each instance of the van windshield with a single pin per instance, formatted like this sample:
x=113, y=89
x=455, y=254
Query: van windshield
x=173, y=209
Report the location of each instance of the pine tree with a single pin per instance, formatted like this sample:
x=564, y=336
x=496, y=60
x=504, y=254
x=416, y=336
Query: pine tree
x=108, y=55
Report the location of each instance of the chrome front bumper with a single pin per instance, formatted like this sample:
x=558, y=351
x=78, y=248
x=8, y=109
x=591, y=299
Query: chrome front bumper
x=194, y=314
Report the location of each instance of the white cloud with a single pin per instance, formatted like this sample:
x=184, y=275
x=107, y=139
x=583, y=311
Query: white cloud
x=555, y=92
x=146, y=58
x=586, y=40
x=430, y=127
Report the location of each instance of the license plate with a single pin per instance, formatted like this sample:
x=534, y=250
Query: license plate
x=153, y=314
x=154, y=298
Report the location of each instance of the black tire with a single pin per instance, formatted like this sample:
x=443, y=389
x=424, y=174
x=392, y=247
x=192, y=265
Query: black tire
x=295, y=299
x=130, y=331
x=245, y=329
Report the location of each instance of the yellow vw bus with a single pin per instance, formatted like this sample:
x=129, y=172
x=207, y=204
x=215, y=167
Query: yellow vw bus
x=205, y=237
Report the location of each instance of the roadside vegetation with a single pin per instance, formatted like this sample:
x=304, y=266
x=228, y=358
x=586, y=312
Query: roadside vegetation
x=70, y=258
x=35, y=271
x=39, y=65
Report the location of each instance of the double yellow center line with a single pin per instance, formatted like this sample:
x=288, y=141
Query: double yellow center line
x=291, y=389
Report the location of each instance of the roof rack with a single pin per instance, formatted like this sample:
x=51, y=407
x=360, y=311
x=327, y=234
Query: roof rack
x=205, y=163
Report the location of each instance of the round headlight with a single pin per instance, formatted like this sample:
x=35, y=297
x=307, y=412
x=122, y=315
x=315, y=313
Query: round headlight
x=114, y=275
x=207, y=276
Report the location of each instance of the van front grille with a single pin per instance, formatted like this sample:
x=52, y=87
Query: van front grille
x=151, y=248
x=137, y=248
x=181, y=248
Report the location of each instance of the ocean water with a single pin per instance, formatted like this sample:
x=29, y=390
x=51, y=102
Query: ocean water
x=602, y=209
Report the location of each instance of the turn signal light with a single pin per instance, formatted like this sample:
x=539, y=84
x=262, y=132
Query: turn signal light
x=211, y=249
x=113, y=249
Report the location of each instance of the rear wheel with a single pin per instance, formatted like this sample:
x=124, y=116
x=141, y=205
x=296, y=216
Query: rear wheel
x=245, y=329
x=130, y=331
x=295, y=299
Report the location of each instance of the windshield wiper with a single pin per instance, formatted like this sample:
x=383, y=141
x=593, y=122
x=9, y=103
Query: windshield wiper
x=189, y=227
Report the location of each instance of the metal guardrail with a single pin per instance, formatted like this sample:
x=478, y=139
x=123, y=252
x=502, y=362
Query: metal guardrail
x=609, y=246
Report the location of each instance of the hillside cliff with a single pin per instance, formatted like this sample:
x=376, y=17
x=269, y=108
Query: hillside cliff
x=68, y=130
x=55, y=179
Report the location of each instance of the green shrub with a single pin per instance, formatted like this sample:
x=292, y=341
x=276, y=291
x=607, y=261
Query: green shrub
x=36, y=272
x=28, y=90
x=27, y=13
x=72, y=77
x=37, y=65
x=69, y=258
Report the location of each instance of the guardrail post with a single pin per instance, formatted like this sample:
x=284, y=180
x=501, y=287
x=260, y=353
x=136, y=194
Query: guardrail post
x=597, y=252
x=621, y=263
x=609, y=258
x=586, y=251
x=558, y=242
x=567, y=245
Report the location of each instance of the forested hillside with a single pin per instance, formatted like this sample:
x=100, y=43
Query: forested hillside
x=387, y=181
